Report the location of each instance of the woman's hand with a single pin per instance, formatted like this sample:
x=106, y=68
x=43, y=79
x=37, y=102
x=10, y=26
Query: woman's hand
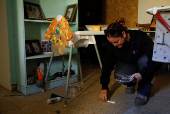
x=137, y=77
x=103, y=94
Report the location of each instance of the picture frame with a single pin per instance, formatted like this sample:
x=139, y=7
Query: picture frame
x=32, y=11
x=36, y=47
x=46, y=46
x=70, y=12
x=28, y=48
x=33, y=47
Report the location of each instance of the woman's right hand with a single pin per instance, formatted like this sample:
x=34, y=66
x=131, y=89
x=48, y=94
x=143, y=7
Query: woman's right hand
x=103, y=94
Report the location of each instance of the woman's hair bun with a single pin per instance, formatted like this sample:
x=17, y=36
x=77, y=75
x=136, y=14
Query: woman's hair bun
x=121, y=21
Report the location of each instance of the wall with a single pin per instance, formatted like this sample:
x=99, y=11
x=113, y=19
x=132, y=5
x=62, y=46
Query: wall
x=4, y=46
x=128, y=9
x=143, y=5
x=93, y=14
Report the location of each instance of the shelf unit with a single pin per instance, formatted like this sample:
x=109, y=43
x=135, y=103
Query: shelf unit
x=42, y=21
x=34, y=29
x=45, y=55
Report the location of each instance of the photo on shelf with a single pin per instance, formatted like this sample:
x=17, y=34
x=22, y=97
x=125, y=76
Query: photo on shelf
x=28, y=48
x=70, y=12
x=32, y=11
x=33, y=47
x=36, y=47
x=46, y=46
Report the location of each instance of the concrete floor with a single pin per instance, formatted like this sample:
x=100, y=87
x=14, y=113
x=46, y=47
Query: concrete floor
x=87, y=101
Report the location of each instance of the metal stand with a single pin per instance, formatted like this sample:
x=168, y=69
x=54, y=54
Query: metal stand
x=69, y=68
x=79, y=64
x=97, y=52
x=68, y=75
x=49, y=65
x=63, y=66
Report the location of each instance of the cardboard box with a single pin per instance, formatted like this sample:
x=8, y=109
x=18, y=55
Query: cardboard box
x=95, y=28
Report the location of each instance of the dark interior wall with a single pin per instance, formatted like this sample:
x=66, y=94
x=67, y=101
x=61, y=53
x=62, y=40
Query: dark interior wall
x=94, y=12
x=90, y=12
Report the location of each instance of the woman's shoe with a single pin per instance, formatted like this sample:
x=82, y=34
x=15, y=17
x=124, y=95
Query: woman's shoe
x=141, y=100
x=130, y=90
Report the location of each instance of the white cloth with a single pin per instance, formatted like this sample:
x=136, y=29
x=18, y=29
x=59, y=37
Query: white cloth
x=161, y=51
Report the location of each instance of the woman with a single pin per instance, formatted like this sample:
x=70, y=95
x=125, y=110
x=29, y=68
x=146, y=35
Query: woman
x=130, y=53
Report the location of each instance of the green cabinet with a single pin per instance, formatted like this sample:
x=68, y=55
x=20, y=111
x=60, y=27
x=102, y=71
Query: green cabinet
x=26, y=29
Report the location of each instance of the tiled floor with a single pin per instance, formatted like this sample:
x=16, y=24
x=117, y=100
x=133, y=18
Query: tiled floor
x=87, y=101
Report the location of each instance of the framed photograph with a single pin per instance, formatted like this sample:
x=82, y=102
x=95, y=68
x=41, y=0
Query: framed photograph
x=28, y=48
x=32, y=11
x=36, y=47
x=33, y=47
x=46, y=46
x=70, y=12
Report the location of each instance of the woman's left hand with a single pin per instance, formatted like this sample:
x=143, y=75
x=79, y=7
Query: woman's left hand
x=137, y=77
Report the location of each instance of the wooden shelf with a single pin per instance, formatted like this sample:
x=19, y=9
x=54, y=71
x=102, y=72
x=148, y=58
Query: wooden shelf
x=46, y=55
x=31, y=89
x=56, y=79
x=42, y=21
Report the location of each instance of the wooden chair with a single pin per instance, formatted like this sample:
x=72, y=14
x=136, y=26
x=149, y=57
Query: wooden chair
x=143, y=27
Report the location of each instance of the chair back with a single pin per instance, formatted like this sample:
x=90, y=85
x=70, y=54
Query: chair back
x=143, y=27
x=82, y=40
